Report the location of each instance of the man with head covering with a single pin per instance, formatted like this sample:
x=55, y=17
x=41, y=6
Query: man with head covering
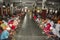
x=3, y=25
x=5, y=34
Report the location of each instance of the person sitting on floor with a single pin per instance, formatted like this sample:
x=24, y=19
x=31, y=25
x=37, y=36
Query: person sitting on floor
x=5, y=34
x=1, y=30
x=47, y=27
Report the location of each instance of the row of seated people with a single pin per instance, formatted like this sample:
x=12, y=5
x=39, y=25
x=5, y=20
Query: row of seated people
x=8, y=28
x=49, y=27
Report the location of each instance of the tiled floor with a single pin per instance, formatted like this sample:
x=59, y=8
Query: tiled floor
x=30, y=30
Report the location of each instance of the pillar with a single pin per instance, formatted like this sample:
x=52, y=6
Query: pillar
x=43, y=3
x=11, y=8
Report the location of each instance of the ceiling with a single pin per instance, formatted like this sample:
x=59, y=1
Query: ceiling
x=54, y=0
x=1, y=0
x=31, y=2
x=58, y=1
